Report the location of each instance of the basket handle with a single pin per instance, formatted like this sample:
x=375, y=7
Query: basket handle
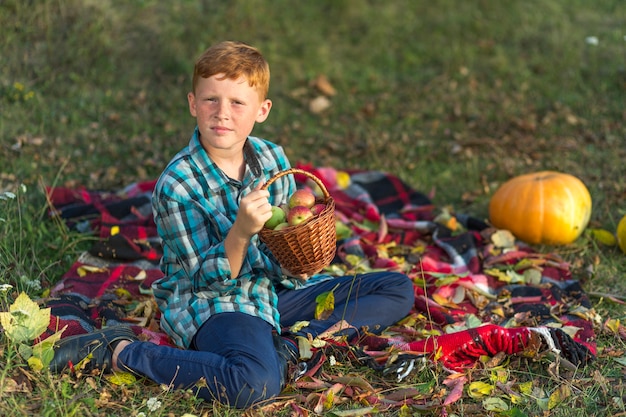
x=297, y=171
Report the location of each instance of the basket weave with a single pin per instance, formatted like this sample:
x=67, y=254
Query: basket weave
x=308, y=247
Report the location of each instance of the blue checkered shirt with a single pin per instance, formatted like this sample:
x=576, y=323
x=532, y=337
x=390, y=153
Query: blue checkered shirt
x=195, y=205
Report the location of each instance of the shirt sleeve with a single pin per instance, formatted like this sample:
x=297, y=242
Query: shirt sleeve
x=194, y=239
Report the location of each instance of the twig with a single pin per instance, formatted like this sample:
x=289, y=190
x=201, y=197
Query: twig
x=617, y=298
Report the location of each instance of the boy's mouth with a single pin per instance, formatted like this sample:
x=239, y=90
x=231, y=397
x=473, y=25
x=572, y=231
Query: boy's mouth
x=220, y=129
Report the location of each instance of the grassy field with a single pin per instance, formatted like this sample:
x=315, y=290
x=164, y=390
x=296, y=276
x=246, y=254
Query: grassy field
x=454, y=97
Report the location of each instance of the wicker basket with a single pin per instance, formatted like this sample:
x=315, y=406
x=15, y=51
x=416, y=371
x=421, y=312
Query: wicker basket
x=308, y=247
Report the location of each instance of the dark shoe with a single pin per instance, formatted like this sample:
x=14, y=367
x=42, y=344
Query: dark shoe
x=289, y=356
x=294, y=367
x=97, y=347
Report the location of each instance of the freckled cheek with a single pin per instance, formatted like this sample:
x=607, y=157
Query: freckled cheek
x=204, y=112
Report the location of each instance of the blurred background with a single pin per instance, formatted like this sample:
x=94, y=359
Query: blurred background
x=454, y=97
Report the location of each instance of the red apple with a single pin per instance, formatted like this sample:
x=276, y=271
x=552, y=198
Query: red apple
x=318, y=208
x=298, y=215
x=302, y=198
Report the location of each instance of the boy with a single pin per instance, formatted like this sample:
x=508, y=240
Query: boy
x=224, y=298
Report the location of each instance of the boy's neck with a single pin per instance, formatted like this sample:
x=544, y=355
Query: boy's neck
x=233, y=167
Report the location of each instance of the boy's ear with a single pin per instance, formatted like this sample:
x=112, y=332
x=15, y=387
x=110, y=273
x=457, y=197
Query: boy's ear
x=264, y=111
x=191, y=99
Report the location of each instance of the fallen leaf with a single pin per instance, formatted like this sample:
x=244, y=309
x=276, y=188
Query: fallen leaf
x=24, y=321
x=503, y=239
x=86, y=269
x=324, y=86
x=559, y=395
x=603, y=236
x=456, y=382
x=479, y=389
x=121, y=378
x=324, y=305
x=495, y=404
x=354, y=412
x=319, y=104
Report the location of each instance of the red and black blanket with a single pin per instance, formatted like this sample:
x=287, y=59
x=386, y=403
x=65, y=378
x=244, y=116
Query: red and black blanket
x=478, y=291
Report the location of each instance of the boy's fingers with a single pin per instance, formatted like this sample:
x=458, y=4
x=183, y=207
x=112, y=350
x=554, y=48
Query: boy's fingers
x=260, y=183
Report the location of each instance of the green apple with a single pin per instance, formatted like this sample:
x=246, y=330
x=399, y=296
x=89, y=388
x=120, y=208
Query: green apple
x=278, y=217
x=281, y=226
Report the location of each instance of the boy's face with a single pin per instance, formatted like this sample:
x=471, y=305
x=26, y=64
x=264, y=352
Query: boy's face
x=226, y=111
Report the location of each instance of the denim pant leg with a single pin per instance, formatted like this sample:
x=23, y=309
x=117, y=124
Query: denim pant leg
x=375, y=300
x=233, y=355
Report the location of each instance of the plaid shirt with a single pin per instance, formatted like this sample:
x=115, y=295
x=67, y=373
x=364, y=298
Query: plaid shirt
x=195, y=205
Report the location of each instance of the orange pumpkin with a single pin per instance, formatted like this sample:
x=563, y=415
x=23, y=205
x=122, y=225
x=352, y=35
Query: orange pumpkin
x=544, y=207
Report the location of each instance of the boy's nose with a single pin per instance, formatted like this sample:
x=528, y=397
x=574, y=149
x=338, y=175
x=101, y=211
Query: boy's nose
x=222, y=111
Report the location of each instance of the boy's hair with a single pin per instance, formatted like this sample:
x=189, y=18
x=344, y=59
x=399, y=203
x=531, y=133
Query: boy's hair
x=234, y=60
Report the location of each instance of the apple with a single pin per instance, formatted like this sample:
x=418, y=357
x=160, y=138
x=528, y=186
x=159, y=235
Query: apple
x=278, y=216
x=302, y=198
x=298, y=215
x=318, y=208
x=281, y=226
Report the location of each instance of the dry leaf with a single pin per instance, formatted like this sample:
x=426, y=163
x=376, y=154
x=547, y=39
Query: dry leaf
x=503, y=239
x=319, y=104
x=324, y=86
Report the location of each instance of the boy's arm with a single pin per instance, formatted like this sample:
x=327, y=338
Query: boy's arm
x=254, y=211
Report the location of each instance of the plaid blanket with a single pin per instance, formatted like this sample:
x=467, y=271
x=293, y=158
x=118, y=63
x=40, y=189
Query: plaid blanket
x=477, y=290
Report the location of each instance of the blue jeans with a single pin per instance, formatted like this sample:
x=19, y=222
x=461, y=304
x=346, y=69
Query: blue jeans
x=233, y=359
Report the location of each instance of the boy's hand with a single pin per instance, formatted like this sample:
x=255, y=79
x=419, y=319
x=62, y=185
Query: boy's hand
x=301, y=277
x=254, y=210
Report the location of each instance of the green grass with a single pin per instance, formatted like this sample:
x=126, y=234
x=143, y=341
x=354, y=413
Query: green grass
x=452, y=96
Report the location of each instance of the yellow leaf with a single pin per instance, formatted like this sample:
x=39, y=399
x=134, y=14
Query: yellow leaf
x=87, y=269
x=329, y=400
x=123, y=293
x=35, y=363
x=44, y=350
x=24, y=321
x=299, y=325
x=83, y=362
x=515, y=399
x=498, y=310
x=325, y=305
x=318, y=343
x=343, y=179
x=438, y=354
x=115, y=230
x=140, y=276
x=405, y=411
x=558, y=396
x=121, y=378
x=503, y=239
x=479, y=389
x=603, y=236
x=443, y=301
x=499, y=375
x=501, y=275
x=526, y=388
x=613, y=325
